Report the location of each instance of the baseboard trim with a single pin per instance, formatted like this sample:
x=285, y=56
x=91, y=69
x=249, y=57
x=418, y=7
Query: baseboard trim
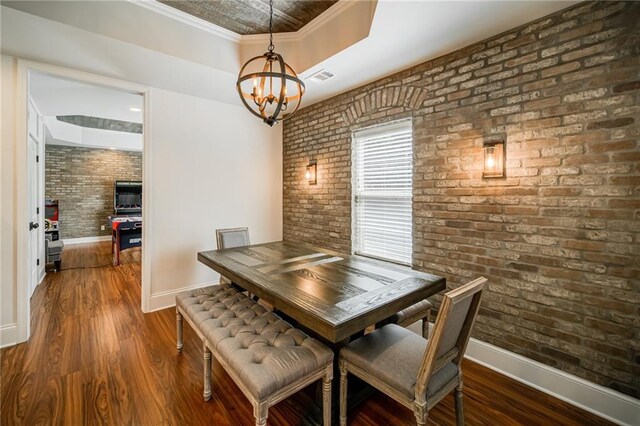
x=167, y=299
x=604, y=402
x=83, y=240
x=8, y=335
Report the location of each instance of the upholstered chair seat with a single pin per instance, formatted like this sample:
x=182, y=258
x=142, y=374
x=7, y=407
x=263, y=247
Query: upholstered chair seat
x=381, y=350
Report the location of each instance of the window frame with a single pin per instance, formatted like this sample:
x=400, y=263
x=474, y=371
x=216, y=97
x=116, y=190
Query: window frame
x=356, y=136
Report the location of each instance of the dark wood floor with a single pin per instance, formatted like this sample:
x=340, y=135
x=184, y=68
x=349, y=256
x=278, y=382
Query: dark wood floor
x=95, y=358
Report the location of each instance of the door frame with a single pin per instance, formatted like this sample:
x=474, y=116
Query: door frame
x=24, y=68
x=38, y=170
x=39, y=138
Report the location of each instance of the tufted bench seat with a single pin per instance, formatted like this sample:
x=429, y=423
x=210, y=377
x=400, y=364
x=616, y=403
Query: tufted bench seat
x=204, y=304
x=266, y=357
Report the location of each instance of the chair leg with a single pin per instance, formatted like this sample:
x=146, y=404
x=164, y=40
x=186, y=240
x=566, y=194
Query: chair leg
x=207, y=372
x=425, y=325
x=420, y=411
x=343, y=393
x=260, y=413
x=326, y=396
x=458, y=405
x=178, y=330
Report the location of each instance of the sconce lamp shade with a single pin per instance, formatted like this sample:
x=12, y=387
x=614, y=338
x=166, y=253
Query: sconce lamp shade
x=312, y=172
x=493, y=159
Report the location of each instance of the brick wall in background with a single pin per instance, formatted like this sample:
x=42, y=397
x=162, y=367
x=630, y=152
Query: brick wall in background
x=558, y=238
x=81, y=179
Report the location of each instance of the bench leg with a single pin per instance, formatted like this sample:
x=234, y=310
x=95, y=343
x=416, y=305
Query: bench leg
x=261, y=412
x=207, y=372
x=343, y=393
x=326, y=396
x=178, y=330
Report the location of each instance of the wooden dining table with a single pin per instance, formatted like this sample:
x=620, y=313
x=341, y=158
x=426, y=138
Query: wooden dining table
x=332, y=294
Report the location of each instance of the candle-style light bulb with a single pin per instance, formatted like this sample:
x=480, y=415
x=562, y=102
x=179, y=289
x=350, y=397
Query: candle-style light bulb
x=254, y=92
x=491, y=158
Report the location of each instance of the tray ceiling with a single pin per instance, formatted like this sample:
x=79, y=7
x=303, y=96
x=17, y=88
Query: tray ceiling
x=252, y=16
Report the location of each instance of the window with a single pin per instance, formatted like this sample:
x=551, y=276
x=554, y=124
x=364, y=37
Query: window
x=383, y=159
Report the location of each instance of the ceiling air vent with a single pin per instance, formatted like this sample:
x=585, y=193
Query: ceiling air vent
x=320, y=76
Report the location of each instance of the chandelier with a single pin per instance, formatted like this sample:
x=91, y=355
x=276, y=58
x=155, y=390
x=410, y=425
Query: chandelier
x=268, y=87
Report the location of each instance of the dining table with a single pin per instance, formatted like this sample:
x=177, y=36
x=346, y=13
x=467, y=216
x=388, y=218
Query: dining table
x=333, y=296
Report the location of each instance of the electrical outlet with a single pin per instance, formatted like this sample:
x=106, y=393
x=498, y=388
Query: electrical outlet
x=102, y=228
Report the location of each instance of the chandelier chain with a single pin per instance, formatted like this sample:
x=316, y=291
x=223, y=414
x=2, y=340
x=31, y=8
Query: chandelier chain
x=271, y=47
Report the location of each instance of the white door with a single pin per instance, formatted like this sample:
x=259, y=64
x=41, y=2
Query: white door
x=34, y=219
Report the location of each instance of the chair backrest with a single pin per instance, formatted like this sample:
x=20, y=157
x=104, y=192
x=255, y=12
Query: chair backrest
x=232, y=237
x=452, y=330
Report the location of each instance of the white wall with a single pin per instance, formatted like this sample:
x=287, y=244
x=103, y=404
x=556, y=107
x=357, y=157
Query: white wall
x=213, y=164
x=7, y=184
x=213, y=167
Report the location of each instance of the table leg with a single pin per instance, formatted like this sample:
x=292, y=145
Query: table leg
x=117, y=249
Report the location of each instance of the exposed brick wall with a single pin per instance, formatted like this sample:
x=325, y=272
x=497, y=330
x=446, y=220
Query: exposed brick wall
x=81, y=179
x=559, y=237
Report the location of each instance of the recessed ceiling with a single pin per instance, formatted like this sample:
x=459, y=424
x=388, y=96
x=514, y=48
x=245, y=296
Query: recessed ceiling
x=87, y=115
x=252, y=16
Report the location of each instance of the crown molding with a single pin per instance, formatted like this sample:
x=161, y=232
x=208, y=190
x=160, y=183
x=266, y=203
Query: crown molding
x=207, y=26
x=188, y=19
x=325, y=16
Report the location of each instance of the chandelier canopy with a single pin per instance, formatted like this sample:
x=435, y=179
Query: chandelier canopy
x=268, y=87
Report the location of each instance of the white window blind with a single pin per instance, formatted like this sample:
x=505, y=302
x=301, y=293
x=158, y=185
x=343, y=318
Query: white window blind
x=383, y=159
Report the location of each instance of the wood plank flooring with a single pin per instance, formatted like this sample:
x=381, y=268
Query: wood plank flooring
x=94, y=358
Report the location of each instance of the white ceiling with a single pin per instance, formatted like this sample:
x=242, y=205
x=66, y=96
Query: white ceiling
x=55, y=96
x=402, y=33
x=58, y=96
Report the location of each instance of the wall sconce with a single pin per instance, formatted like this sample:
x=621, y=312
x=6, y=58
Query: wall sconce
x=312, y=172
x=493, y=159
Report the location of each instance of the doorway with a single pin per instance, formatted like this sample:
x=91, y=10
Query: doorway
x=99, y=123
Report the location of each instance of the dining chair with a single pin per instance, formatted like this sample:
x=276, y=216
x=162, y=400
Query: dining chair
x=406, y=317
x=230, y=238
x=416, y=372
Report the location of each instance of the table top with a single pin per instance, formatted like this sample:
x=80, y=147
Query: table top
x=333, y=294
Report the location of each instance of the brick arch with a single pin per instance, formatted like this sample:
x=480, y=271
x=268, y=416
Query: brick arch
x=409, y=98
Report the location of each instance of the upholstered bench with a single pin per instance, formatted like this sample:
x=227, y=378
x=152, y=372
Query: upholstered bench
x=203, y=304
x=265, y=356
